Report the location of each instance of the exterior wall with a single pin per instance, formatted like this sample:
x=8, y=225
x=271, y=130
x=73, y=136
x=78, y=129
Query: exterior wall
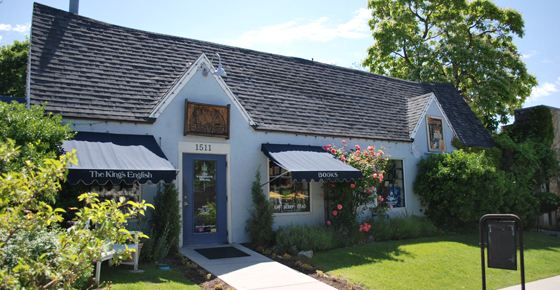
x=244, y=156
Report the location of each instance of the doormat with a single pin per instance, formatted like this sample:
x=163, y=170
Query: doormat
x=221, y=253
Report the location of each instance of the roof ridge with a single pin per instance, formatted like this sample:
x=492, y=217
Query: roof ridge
x=234, y=47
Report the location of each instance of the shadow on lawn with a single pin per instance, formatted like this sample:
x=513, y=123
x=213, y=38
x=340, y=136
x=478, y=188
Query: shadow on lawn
x=121, y=275
x=531, y=241
x=393, y=250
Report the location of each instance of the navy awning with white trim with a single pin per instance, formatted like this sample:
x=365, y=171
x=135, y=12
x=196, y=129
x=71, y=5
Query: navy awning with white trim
x=310, y=163
x=104, y=157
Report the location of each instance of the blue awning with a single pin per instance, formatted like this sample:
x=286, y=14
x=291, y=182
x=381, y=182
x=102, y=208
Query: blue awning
x=104, y=157
x=310, y=163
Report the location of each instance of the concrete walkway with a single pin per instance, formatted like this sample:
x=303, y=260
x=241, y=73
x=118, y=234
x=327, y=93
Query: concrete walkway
x=552, y=283
x=253, y=272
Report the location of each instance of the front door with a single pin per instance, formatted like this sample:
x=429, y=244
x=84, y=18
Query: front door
x=204, y=200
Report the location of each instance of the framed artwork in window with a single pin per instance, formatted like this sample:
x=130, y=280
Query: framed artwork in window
x=436, y=136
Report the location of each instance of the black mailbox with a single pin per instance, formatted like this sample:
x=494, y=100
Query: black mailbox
x=502, y=245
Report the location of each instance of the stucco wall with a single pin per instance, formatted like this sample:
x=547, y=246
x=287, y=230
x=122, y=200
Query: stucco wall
x=245, y=156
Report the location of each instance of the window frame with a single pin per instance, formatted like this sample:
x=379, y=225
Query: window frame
x=309, y=190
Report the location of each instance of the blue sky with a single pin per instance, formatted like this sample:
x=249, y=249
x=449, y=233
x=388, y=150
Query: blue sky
x=334, y=32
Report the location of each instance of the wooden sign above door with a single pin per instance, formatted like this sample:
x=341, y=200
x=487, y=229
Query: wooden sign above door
x=206, y=120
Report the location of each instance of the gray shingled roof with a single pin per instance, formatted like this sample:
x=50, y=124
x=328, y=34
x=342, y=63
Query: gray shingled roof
x=90, y=69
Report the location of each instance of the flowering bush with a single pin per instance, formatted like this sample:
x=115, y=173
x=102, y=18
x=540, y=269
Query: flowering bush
x=349, y=199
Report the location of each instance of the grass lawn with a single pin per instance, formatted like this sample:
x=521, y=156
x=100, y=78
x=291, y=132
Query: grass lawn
x=447, y=262
x=152, y=278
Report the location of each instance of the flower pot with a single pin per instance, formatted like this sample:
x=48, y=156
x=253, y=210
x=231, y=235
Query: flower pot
x=164, y=267
x=131, y=259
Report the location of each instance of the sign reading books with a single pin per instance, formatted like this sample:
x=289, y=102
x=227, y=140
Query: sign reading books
x=206, y=120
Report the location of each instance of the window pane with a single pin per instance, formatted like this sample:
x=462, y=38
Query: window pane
x=285, y=194
x=393, y=184
x=204, y=196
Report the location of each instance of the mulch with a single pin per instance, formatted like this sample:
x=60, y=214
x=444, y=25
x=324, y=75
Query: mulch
x=208, y=281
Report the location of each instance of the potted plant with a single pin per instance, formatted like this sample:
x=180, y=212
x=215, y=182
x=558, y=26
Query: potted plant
x=162, y=249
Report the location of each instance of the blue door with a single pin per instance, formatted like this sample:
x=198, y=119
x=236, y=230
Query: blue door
x=205, y=203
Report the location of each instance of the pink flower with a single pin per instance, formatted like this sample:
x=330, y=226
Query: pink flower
x=328, y=223
x=358, y=147
x=333, y=185
x=329, y=145
x=368, y=191
x=380, y=198
x=369, y=148
x=334, y=212
x=390, y=207
x=339, y=206
x=352, y=185
x=333, y=151
x=358, y=151
x=343, y=158
x=375, y=175
x=343, y=141
x=322, y=196
x=372, y=188
x=380, y=177
x=326, y=148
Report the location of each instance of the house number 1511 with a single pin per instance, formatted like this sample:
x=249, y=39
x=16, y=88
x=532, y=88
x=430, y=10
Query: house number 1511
x=203, y=147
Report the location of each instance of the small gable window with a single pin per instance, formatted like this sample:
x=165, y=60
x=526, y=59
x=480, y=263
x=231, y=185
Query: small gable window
x=436, y=136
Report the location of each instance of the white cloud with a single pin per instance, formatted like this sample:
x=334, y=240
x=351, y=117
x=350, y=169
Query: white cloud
x=320, y=30
x=19, y=28
x=22, y=28
x=544, y=90
x=5, y=27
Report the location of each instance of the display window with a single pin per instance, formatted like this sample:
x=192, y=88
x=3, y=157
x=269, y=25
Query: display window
x=287, y=195
x=393, y=184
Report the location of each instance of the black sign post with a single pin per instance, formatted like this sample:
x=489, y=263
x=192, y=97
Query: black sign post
x=501, y=234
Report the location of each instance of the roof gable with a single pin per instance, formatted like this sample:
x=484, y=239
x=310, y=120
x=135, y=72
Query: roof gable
x=89, y=69
x=201, y=63
x=417, y=109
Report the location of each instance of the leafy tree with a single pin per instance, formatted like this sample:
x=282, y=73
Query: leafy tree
x=468, y=44
x=13, y=69
x=259, y=225
x=39, y=135
x=23, y=213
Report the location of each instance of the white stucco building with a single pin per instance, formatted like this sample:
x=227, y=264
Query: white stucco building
x=121, y=83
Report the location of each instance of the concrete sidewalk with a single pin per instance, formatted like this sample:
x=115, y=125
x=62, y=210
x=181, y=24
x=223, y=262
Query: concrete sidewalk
x=552, y=283
x=253, y=272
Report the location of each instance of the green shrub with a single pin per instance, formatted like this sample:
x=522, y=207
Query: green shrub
x=548, y=201
x=259, y=225
x=30, y=244
x=401, y=227
x=166, y=214
x=293, y=238
x=458, y=188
